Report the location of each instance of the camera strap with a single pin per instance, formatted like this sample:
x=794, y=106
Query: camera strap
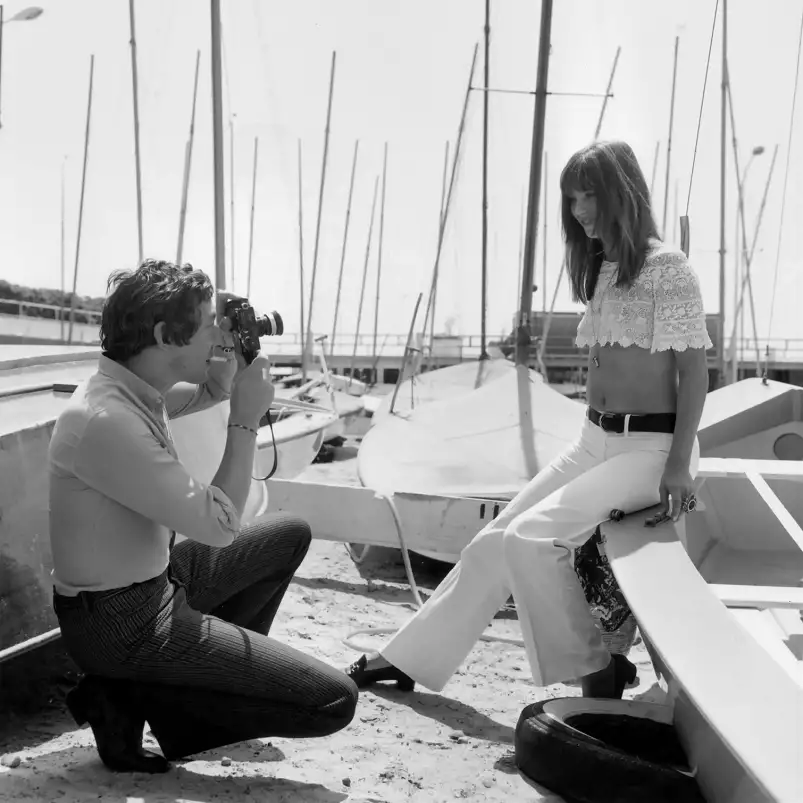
x=275, y=454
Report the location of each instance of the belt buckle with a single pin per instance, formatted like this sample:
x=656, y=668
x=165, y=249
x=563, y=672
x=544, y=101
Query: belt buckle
x=601, y=422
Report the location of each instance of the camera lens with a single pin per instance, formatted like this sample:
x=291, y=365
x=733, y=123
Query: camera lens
x=270, y=324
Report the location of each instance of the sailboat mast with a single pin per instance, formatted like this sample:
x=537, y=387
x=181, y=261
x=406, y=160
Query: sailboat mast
x=434, y=292
x=362, y=286
x=63, y=253
x=185, y=186
x=135, y=85
x=607, y=94
x=83, y=192
x=722, y=194
x=485, y=94
x=455, y=162
x=217, y=138
x=669, y=139
x=343, y=252
x=309, y=341
x=523, y=329
x=375, y=358
x=253, y=208
x=232, y=217
x=301, y=261
x=546, y=207
x=654, y=168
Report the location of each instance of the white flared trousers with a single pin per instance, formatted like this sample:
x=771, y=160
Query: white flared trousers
x=528, y=551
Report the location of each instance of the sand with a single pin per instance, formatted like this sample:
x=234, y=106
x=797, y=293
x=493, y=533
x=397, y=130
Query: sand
x=400, y=747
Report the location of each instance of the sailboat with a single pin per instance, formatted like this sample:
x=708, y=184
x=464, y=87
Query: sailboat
x=488, y=427
x=718, y=596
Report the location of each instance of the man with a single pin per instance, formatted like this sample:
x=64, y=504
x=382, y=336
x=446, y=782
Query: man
x=175, y=635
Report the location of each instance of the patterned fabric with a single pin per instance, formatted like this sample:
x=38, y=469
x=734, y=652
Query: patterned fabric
x=661, y=310
x=605, y=599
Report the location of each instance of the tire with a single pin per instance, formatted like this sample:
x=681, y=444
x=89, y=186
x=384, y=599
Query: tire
x=604, y=751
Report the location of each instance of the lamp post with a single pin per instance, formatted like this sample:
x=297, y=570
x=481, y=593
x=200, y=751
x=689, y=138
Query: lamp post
x=26, y=15
x=738, y=278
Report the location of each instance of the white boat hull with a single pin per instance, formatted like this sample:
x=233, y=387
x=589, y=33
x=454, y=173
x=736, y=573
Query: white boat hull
x=347, y=514
x=298, y=442
x=200, y=440
x=719, y=599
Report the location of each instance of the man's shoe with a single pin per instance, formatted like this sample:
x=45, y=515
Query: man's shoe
x=117, y=729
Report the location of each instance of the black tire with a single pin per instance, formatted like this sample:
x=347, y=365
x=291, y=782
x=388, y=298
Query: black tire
x=604, y=751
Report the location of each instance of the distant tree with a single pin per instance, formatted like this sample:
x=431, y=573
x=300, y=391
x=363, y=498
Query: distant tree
x=45, y=295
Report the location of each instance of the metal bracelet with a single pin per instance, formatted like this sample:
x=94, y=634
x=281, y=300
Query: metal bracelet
x=243, y=426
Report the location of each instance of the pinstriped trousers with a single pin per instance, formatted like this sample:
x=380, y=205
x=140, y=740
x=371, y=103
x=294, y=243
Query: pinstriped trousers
x=192, y=645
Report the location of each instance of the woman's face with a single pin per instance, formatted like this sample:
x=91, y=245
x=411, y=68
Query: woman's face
x=583, y=205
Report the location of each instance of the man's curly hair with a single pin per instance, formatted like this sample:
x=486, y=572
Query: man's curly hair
x=157, y=291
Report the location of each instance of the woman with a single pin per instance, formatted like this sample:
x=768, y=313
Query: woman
x=647, y=380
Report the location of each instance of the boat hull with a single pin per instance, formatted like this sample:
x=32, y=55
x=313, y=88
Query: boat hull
x=296, y=450
x=26, y=610
x=719, y=597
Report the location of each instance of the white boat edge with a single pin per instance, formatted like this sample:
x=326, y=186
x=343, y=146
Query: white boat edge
x=738, y=712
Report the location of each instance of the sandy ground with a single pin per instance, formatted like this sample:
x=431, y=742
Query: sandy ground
x=400, y=747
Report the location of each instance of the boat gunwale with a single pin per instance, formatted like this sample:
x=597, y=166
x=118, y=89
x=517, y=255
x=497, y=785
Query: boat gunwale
x=719, y=693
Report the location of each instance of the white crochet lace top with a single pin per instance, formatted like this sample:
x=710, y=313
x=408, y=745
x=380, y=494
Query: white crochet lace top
x=661, y=310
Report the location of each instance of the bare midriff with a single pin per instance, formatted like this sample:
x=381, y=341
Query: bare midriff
x=631, y=380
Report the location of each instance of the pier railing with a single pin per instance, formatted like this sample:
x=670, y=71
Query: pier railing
x=48, y=323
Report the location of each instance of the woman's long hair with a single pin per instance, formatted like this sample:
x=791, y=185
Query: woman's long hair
x=624, y=216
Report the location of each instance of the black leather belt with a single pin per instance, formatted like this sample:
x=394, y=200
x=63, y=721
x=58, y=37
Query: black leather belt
x=650, y=422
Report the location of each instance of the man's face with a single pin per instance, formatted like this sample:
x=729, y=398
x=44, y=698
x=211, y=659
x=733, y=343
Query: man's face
x=191, y=362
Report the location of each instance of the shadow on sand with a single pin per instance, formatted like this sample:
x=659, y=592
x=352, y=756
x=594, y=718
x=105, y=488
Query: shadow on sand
x=80, y=775
x=458, y=716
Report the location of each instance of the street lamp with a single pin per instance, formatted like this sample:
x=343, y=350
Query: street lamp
x=26, y=15
x=738, y=252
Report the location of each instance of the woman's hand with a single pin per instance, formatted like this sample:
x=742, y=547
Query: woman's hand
x=676, y=484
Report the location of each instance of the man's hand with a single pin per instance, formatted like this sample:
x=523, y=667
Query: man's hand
x=230, y=347
x=677, y=484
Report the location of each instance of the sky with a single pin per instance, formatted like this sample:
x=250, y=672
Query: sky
x=401, y=76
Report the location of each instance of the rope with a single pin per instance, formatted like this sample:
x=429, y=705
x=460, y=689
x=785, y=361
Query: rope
x=702, y=103
x=417, y=605
x=783, y=201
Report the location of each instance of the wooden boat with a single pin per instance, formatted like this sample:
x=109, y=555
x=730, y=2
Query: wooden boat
x=719, y=599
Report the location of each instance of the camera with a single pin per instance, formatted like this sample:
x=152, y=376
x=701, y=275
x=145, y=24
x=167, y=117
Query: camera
x=248, y=328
